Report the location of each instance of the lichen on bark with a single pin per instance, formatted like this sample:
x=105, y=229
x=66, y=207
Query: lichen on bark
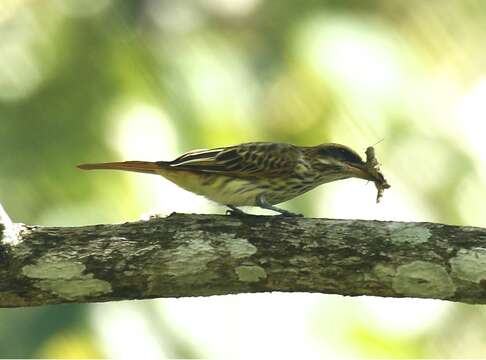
x=202, y=255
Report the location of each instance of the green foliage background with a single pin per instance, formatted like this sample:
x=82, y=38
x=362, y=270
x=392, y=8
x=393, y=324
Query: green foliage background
x=86, y=81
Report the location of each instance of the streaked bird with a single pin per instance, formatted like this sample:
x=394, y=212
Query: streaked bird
x=259, y=174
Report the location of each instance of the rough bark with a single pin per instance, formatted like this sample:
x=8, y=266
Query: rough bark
x=201, y=255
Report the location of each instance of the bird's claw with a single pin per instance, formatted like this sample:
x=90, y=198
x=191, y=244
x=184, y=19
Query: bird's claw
x=234, y=211
x=290, y=214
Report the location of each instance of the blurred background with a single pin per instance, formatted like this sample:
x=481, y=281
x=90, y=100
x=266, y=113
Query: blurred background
x=105, y=80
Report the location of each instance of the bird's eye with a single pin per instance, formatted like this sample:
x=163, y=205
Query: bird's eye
x=341, y=154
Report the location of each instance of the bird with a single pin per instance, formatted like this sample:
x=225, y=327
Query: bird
x=261, y=174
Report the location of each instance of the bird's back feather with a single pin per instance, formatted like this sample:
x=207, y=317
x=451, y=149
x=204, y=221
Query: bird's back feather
x=250, y=160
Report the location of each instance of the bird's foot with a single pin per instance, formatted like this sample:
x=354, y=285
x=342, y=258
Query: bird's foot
x=286, y=213
x=264, y=204
x=234, y=211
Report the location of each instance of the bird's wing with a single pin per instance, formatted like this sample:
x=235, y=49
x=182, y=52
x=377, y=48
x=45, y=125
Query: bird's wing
x=245, y=160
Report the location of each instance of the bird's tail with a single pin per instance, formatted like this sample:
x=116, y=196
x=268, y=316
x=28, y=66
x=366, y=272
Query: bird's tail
x=136, y=166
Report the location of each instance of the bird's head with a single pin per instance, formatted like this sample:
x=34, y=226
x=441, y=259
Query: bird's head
x=340, y=158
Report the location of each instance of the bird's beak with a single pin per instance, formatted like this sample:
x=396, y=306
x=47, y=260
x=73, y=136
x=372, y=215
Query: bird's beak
x=361, y=171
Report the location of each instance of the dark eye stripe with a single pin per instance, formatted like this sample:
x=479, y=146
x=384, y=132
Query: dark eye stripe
x=342, y=154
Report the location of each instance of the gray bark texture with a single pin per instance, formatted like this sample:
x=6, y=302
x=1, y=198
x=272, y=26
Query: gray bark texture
x=202, y=255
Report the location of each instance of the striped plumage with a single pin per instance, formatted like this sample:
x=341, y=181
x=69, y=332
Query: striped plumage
x=253, y=174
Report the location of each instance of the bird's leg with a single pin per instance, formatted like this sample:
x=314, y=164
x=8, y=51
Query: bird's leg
x=261, y=202
x=235, y=211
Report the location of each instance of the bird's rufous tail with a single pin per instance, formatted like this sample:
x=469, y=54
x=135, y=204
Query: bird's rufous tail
x=136, y=166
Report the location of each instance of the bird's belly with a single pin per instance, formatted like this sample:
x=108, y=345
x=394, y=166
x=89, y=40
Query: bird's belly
x=287, y=191
x=236, y=191
x=219, y=188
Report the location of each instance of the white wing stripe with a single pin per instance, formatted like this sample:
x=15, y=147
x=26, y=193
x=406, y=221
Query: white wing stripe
x=196, y=156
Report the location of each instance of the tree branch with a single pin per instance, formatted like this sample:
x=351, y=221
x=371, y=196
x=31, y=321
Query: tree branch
x=201, y=255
